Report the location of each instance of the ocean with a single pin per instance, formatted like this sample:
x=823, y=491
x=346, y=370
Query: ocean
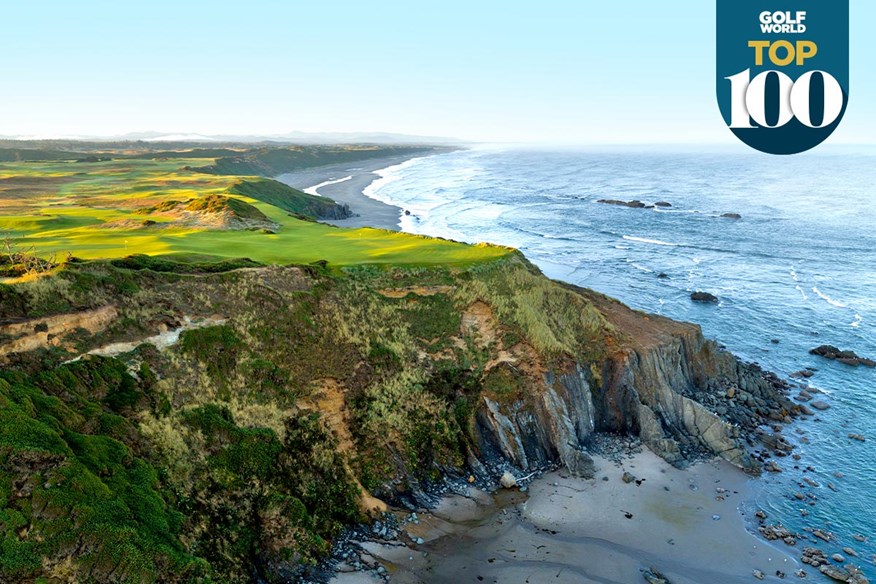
x=798, y=267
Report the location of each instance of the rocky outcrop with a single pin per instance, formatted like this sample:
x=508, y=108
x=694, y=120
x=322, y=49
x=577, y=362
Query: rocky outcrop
x=684, y=395
x=680, y=393
x=845, y=357
x=630, y=204
x=704, y=297
x=552, y=427
x=337, y=212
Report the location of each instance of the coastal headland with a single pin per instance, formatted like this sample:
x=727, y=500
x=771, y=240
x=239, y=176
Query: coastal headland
x=235, y=391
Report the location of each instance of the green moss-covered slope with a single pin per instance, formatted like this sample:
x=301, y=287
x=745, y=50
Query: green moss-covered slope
x=291, y=200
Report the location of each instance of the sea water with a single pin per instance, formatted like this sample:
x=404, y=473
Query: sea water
x=798, y=268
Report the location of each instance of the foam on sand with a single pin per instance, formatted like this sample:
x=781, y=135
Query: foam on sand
x=314, y=190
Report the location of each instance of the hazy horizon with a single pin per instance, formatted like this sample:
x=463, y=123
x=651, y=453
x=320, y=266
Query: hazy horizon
x=414, y=140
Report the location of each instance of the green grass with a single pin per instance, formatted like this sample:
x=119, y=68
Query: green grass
x=289, y=199
x=94, y=210
x=223, y=204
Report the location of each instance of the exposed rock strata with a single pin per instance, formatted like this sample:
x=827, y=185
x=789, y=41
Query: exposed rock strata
x=679, y=392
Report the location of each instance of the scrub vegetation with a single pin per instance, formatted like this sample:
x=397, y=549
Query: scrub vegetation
x=240, y=451
x=305, y=369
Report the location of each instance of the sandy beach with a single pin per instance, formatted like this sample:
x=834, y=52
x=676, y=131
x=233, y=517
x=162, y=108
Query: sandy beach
x=686, y=524
x=368, y=212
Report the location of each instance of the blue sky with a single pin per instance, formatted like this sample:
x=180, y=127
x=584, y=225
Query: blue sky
x=570, y=71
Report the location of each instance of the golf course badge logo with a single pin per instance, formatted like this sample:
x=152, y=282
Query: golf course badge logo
x=783, y=71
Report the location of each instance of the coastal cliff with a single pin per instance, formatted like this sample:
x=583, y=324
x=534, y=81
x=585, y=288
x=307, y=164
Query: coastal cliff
x=190, y=423
x=681, y=394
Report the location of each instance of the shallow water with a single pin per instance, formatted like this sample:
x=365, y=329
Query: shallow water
x=799, y=267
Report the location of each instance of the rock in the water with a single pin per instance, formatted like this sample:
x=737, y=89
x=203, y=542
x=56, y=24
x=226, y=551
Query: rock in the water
x=653, y=576
x=508, y=481
x=775, y=532
x=838, y=558
x=777, y=444
x=704, y=297
x=731, y=216
x=820, y=405
x=857, y=577
x=813, y=557
x=846, y=357
x=662, y=204
x=834, y=573
x=821, y=535
x=628, y=478
x=857, y=437
x=850, y=574
x=805, y=411
x=631, y=204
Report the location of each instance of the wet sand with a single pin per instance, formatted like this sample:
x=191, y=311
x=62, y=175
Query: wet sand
x=369, y=212
x=569, y=530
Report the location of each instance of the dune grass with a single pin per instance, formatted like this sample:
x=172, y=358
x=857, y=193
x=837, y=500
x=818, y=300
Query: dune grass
x=94, y=210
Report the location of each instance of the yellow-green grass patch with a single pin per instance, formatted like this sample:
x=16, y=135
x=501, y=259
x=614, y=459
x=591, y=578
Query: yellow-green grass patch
x=90, y=211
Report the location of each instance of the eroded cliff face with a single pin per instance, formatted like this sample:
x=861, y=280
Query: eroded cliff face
x=552, y=426
x=649, y=387
x=281, y=403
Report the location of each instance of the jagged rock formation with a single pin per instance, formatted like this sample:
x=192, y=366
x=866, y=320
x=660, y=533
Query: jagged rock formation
x=649, y=389
x=845, y=357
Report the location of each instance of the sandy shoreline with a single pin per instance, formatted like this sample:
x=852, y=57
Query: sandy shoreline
x=570, y=530
x=369, y=212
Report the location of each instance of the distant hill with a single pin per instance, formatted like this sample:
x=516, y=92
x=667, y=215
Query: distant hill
x=221, y=158
x=285, y=138
x=274, y=161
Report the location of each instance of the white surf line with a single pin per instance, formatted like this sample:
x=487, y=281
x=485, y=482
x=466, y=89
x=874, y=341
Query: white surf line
x=651, y=241
x=314, y=190
x=828, y=299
